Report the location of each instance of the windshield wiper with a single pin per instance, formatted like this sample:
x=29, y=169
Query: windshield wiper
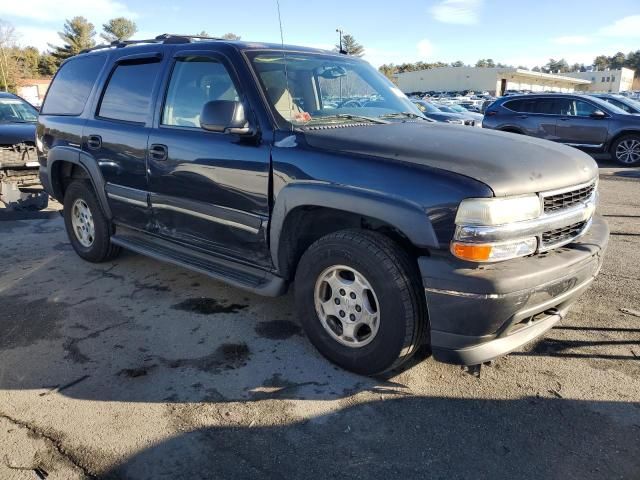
x=348, y=116
x=402, y=115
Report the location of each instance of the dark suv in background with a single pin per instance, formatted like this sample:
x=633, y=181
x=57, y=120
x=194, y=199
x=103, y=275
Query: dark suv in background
x=580, y=121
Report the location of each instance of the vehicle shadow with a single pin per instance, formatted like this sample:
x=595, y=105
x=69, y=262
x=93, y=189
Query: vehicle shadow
x=587, y=348
x=416, y=437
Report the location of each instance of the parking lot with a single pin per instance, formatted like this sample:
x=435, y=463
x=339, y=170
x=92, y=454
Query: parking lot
x=138, y=369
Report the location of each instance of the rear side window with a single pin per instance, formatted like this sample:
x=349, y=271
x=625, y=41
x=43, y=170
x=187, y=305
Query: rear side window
x=71, y=87
x=514, y=105
x=127, y=96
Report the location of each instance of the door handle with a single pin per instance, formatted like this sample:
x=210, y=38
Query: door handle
x=565, y=119
x=94, y=142
x=158, y=151
x=523, y=116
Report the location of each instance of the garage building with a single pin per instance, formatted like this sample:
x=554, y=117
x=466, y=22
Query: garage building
x=493, y=80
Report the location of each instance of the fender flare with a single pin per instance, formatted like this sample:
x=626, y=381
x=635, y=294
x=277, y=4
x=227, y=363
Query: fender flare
x=511, y=129
x=408, y=217
x=80, y=158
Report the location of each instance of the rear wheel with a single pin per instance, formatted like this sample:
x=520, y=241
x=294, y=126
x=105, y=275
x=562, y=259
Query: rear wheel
x=87, y=227
x=360, y=301
x=626, y=150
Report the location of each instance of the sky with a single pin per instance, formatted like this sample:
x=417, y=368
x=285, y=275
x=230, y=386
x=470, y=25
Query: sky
x=514, y=32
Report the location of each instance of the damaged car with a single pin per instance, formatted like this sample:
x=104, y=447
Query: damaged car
x=19, y=183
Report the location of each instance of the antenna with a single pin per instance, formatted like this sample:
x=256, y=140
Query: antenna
x=284, y=56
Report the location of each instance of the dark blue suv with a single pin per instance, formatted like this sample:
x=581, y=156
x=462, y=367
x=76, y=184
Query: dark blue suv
x=580, y=121
x=266, y=168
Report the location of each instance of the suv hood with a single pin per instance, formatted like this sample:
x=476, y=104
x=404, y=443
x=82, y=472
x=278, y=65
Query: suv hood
x=508, y=163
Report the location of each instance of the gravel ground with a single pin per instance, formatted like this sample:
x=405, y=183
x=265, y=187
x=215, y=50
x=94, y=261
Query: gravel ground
x=138, y=369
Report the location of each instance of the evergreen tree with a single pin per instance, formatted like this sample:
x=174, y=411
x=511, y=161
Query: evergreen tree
x=118, y=29
x=77, y=35
x=351, y=46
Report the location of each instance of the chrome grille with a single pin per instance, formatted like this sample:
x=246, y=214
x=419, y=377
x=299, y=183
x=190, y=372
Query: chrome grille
x=563, y=234
x=559, y=201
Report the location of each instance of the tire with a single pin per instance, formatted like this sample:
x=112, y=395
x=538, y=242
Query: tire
x=96, y=247
x=626, y=150
x=396, y=290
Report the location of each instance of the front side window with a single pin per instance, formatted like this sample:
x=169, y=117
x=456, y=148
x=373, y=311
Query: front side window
x=72, y=85
x=316, y=89
x=194, y=82
x=127, y=96
x=14, y=110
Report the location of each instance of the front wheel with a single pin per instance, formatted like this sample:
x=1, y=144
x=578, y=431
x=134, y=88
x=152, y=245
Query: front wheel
x=626, y=150
x=360, y=301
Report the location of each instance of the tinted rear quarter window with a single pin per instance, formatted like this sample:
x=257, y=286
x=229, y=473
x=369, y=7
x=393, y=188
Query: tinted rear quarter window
x=72, y=85
x=127, y=96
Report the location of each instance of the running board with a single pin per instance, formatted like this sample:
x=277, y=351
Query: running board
x=242, y=276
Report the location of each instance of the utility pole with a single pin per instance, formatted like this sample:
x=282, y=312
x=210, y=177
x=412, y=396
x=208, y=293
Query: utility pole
x=2, y=70
x=340, y=33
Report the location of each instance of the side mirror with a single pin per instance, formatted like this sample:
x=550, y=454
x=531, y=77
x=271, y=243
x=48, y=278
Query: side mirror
x=598, y=114
x=224, y=116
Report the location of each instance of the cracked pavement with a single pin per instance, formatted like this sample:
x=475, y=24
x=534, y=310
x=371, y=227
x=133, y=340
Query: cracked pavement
x=138, y=369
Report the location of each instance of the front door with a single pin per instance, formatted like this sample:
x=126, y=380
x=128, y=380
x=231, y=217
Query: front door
x=577, y=128
x=207, y=189
x=116, y=137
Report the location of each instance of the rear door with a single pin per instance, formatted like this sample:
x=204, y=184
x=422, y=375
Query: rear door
x=208, y=189
x=576, y=127
x=534, y=116
x=116, y=136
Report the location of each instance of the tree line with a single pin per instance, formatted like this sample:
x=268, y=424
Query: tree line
x=77, y=34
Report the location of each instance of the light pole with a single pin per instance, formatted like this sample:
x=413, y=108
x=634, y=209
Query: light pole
x=340, y=33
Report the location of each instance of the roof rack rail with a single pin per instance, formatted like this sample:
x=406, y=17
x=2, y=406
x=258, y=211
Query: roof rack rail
x=165, y=38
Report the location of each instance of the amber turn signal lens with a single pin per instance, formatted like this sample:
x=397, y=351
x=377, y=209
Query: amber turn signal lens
x=474, y=253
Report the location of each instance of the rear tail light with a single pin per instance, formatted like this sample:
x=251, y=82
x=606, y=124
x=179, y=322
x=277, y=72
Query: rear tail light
x=490, y=113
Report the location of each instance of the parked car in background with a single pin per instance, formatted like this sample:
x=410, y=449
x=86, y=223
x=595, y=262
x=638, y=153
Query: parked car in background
x=19, y=183
x=438, y=114
x=393, y=229
x=459, y=109
x=627, y=104
x=581, y=121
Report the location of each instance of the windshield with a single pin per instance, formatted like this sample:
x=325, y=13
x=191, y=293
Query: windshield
x=315, y=89
x=607, y=105
x=14, y=110
x=458, y=108
x=446, y=108
x=427, y=107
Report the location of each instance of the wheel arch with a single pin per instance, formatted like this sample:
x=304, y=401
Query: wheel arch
x=305, y=212
x=64, y=163
x=512, y=129
x=620, y=134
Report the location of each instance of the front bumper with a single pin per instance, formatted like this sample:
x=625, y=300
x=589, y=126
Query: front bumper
x=480, y=312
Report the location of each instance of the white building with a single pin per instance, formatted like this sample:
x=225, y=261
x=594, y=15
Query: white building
x=494, y=80
x=606, y=80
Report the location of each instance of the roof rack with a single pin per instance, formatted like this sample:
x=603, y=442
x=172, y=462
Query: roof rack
x=165, y=38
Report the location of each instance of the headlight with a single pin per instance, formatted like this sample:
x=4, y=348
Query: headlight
x=494, y=252
x=498, y=211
